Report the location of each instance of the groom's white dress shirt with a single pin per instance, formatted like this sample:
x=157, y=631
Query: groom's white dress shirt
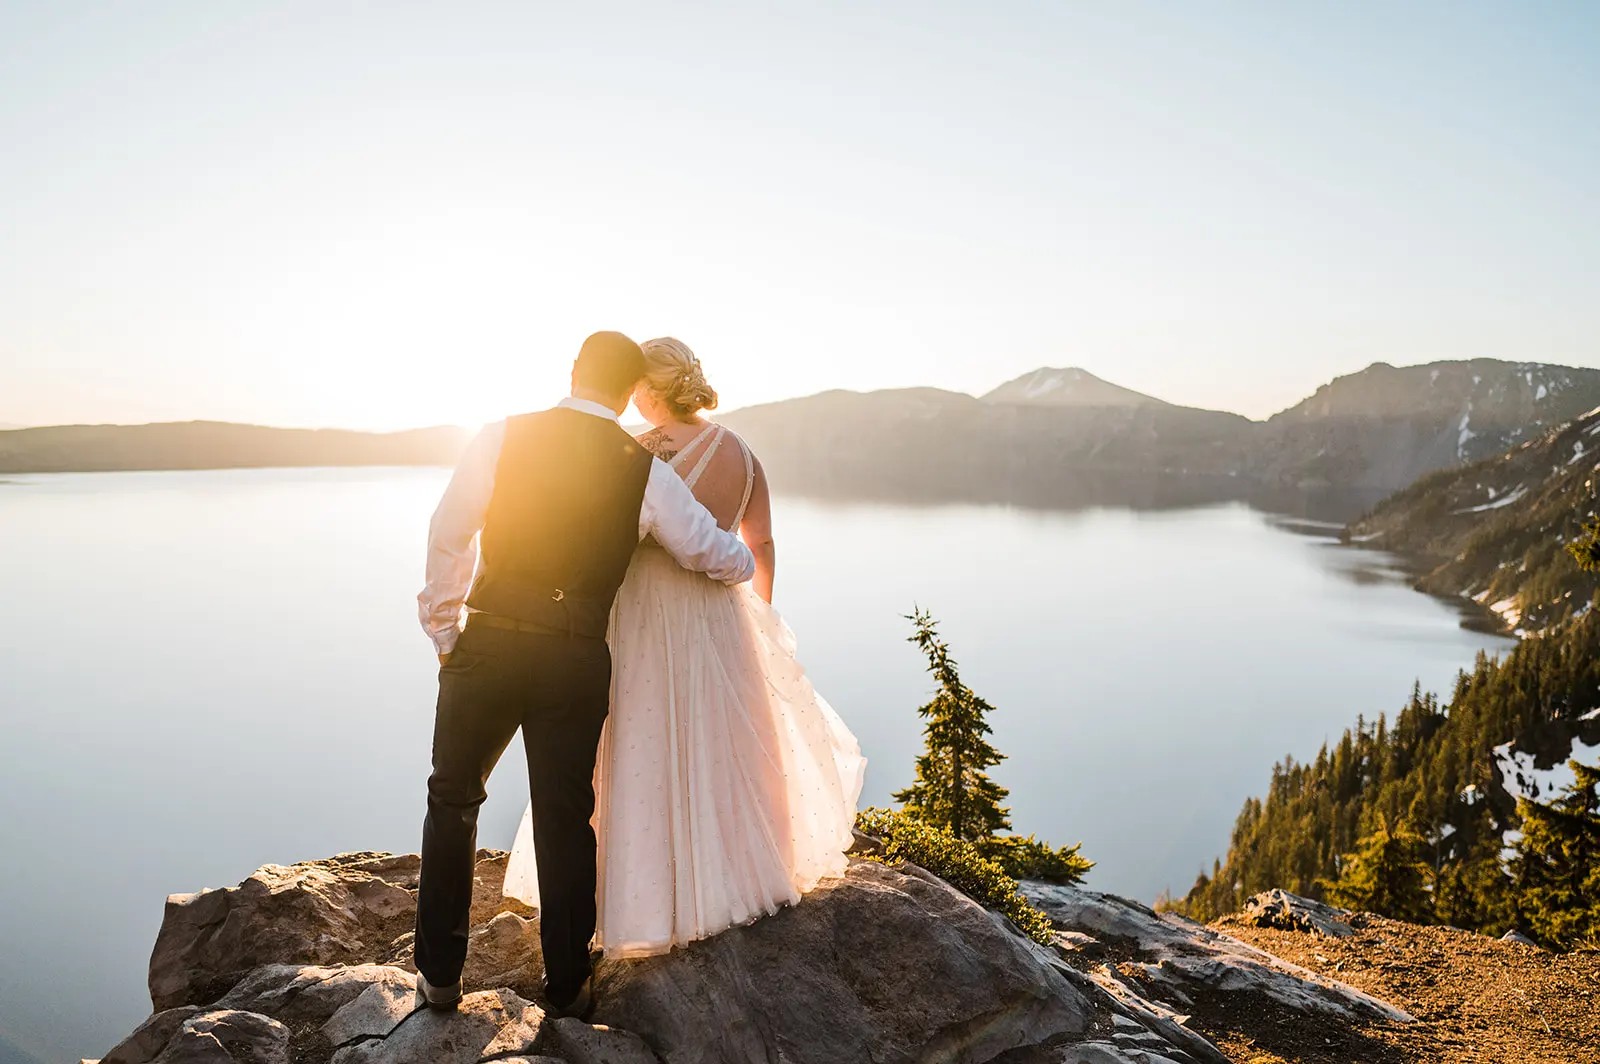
x=670, y=513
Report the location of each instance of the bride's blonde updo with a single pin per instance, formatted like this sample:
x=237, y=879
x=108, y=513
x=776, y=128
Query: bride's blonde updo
x=673, y=375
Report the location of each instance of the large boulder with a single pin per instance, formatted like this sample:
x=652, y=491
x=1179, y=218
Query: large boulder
x=150, y=1037
x=351, y=909
x=205, y=1036
x=1170, y=962
x=887, y=964
x=313, y=994
x=884, y=965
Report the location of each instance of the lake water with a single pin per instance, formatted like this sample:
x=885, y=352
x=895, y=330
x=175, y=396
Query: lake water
x=204, y=672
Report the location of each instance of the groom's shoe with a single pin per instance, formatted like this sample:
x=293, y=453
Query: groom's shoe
x=439, y=998
x=580, y=1007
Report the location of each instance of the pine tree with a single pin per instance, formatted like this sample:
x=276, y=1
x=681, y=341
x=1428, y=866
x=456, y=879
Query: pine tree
x=1586, y=548
x=1474, y=891
x=953, y=791
x=1557, y=866
x=1388, y=874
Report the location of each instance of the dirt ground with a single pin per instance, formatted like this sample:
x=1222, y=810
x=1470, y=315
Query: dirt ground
x=1479, y=1000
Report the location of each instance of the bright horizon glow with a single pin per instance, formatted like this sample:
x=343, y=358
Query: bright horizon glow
x=381, y=218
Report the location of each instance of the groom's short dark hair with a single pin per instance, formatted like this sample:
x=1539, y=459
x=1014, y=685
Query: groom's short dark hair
x=609, y=362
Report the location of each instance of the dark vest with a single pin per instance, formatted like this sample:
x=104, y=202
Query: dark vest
x=563, y=521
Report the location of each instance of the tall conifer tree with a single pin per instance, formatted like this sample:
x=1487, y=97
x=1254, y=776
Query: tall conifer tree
x=1387, y=874
x=953, y=789
x=1586, y=548
x=1557, y=866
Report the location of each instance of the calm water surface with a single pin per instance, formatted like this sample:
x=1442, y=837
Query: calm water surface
x=204, y=672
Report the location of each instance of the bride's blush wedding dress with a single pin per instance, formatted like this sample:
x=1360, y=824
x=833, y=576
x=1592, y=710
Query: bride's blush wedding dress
x=726, y=786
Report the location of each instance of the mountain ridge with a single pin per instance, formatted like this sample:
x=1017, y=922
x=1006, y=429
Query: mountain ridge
x=1049, y=437
x=1374, y=431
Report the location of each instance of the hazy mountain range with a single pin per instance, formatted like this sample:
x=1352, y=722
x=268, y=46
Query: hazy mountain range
x=1377, y=430
x=1049, y=436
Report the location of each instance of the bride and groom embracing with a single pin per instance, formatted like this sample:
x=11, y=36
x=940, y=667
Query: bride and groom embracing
x=684, y=775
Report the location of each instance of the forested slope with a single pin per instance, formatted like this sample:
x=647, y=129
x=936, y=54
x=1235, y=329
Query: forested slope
x=1431, y=793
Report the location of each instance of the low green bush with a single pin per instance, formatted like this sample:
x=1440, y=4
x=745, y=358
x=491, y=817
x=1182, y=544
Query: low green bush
x=1025, y=857
x=957, y=862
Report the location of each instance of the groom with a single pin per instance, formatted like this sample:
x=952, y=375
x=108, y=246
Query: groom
x=557, y=502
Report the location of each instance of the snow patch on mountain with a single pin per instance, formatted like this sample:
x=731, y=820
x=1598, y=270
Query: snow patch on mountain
x=1522, y=777
x=1505, y=500
x=1506, y=608
x=1042, y=386
x=1465, y=433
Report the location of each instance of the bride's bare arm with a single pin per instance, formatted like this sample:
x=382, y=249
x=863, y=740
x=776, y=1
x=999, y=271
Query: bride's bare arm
x=756, y=529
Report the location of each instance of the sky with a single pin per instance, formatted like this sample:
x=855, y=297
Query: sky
x=380, y=215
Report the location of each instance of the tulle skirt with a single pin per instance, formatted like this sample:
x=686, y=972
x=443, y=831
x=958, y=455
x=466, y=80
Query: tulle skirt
x=726, y=787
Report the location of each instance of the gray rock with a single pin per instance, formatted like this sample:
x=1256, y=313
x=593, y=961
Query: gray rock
x=1076, y=941
x=349, y=909
x=884, y=965
x=1518, y=937
x=887, y=964
x=580, y=1043
x=1290, y=912
x=504, y=952
x=1170, y=955
x=1104, y=1053
x=227, y=1037
x=312, y=993
x=150, y=1037
x=492, y=1023
x=1137, y=1018
x=305, y=914
x=374, y=1013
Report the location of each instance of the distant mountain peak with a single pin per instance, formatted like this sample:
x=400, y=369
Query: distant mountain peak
x=1069, y=386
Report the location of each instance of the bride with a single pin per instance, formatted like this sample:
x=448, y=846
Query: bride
x=725, y=786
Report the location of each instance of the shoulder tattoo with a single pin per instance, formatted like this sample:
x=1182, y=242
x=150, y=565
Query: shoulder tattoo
x=656, y=442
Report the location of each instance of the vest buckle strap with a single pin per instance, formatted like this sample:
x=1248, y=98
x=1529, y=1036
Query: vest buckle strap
x=558, y=596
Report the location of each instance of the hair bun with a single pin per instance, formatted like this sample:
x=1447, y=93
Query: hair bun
x=674, y=375
x=693, y=393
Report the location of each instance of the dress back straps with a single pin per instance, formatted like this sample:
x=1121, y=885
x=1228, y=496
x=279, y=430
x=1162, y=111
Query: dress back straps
x=710, y=440
x=707, y=453
x=749, y=480
x=699, y=438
